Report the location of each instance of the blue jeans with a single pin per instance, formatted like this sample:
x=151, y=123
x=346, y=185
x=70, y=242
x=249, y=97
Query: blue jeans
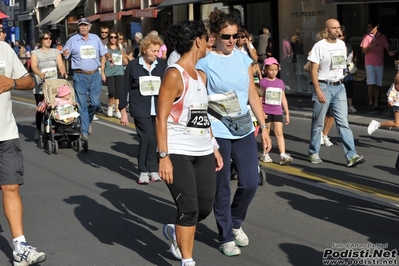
x=337, y=102
x=87, y=91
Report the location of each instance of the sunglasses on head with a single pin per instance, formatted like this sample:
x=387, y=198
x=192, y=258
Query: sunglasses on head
x=46, y=38
x=228, y=36
x=113, y=37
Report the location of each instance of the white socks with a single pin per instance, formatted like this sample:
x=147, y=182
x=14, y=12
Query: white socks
x=16, y=241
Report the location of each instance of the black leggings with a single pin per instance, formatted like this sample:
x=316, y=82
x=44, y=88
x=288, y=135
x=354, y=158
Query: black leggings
x=193, y=187
x=113, y=83
x=39, y=115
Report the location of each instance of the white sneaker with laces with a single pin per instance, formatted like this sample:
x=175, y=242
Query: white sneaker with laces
x=241, y=238
x=144, y=178
x=230, y=249
x=27, y=255
x=265, y=158
x=373, y=126
x=169, y=233
x=286, y=159
x=155, y=177
x=352, y=109
x=118, y=114
x=110, y=110
x=326, y=141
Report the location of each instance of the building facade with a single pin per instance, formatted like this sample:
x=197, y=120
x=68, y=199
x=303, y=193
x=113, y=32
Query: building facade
x=284, y=18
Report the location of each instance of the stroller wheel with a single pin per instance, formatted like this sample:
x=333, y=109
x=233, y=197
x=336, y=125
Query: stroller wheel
x=262, y=177
x=49, y=146
x=55, y=147
x=79, y=145
x=40, y=142
x=86, y=146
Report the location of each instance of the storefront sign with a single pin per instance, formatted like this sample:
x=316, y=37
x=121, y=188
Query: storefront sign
x=109, y=17
x=145, y=13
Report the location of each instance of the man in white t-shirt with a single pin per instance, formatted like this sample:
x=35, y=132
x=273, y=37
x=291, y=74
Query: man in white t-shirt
x=328, y=58
x=13, y=75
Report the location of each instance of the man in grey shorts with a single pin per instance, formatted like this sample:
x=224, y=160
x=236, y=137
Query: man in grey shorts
x=13, y=75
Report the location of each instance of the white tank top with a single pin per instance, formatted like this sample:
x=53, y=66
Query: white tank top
x=188, y=124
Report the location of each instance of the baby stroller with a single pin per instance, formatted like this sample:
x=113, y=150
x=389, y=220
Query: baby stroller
x=59, y=130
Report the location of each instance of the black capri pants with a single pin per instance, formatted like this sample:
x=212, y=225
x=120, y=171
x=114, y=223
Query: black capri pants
x=113, y=83
x=193, y=187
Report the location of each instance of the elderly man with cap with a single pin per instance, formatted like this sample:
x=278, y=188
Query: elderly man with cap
x=85, y=50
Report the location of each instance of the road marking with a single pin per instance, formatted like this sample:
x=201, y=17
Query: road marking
x=277, y=168
x=293, y=171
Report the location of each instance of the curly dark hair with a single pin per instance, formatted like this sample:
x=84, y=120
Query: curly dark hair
x=219, y=20
x=182, y=35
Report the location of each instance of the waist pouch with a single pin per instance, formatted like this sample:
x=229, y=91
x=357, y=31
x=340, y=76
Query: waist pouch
x=237, y=125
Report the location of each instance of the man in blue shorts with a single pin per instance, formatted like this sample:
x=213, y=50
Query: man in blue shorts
x=13, y=75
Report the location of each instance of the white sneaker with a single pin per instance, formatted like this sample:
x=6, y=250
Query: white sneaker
x=27, y=255
x=169, y=233
x=265, y=158
x=95, y=118
x=321, y=139
x=230, y=249
x=118, y=114
x=144, y=178
x=373, y=126
x=286, y=159
x=155, y=177
x=326, y=141
x=352, y=109
x=241, y=238
x=110, y=110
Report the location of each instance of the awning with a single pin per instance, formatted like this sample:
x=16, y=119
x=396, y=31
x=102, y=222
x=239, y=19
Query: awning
x=91, y=18
x=357, y=1
x=167, y=3
x=59, y=13
x=3, y=16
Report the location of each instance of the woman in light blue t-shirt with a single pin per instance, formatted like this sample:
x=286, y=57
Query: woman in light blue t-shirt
x=227, y=71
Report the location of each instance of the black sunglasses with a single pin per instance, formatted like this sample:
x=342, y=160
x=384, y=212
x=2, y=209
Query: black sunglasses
x=228, y=36
x=105, y=32
x=113, y=37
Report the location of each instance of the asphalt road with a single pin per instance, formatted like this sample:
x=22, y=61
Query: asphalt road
x=87, y=208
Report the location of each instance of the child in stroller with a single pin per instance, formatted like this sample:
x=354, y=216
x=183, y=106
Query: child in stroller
x=61, y=117
x=61, y=105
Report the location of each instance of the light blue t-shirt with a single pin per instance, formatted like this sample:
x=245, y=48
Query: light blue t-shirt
x=75, y=45
x=226, y=73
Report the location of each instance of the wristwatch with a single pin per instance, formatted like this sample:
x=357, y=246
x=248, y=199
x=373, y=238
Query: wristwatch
x=163, y=154
x=264, y=126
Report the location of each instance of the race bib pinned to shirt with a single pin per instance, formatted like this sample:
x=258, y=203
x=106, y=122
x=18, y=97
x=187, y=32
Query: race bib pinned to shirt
x=2, y=68
x=338, y=60
x=149, y=85
x=50, y=72
x=87, y=52
x=273, y=96
x=117, y=59
x=198, y=123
